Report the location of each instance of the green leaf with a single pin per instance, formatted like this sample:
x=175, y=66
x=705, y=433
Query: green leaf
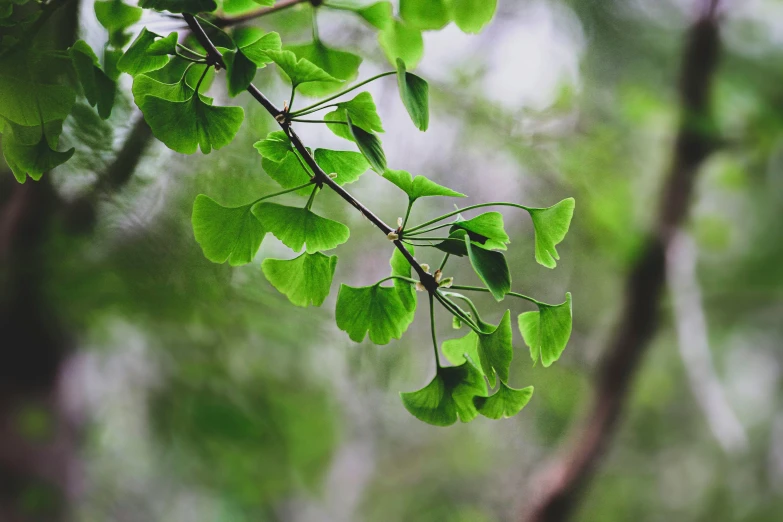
x=369, y=145
x=163, y=46
x=401, y=267
x=485, y=229
x=457, y=351
x=506, y=402
x=427, y=16
x=265, y=3
x=414, y=92
x=491, y=267
x=495, y=350
x=547, y=331
x=143, y=86
x=305, y=280
x=28, y=103
x=180, y=6
x=98, y=87
x=226, y=233
x=377, y=310
x=363, y=114
x=472, y=15
x=137, y=59
x=348, y=165
x=378, y=14
x=184, y=126
x=551, y=226
x=276, y=146
x=339, y=64
x=240, y=71
x=419, y=186
x=448, y=397
x=31, y=151
x=256, y=51
x=115, y=15
x=299, y=71
x=399, y=40
x=296, y=227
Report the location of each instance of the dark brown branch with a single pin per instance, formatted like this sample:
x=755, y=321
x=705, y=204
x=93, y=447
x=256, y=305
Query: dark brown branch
x=227, y=21
x=564, y=480
x=321, y=178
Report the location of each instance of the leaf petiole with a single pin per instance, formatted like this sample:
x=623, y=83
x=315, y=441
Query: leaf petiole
x=481, y=289
x=471, y=207
x=286, y=191
x=320, y=121
x=341, y=93
x=309, y=204
x=432, y=327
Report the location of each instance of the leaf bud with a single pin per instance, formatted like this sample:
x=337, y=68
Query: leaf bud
x=425, y=267
x=420, y=287
x=392, y=236
x=446, y=283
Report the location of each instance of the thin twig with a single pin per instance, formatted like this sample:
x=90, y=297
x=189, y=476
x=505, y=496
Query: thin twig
x=228, y=21
x=321, y=178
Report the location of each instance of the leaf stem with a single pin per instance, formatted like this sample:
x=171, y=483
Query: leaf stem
x=291, y=100
x=401, y=278
x=407, y=214
x=320, y=121
x=432, y=326
x=305, y=113
x=341, y=93
x=480, y=289
x=309, y=204
x=471, y=207
x=456, y=311
x=414, y=232
x=203, y=75
x=286, y=191
x=443, y=263
x=191, y=51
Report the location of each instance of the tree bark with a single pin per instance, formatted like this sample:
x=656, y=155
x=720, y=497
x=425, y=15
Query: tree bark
x=564, y=480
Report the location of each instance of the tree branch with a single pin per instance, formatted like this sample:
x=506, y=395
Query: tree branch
x=565, y=479
x=321, y=178
x=227, y=21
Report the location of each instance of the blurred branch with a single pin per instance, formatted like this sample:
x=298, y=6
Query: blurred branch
x=227, y=21
x=694, y=345
x=563, y=481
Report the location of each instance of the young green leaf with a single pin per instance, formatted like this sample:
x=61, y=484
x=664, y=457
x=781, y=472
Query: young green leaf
x=276, y=146
x=414, y=92
x=305, y=280
x=485, y=229
x=504, y=403
x=419, y=186
x=137, y=59
x=28, y=103
x=369, y=145
x=377, y=310
x=31, y=151
x=230, y=234
x=115, y=15
x=399, y=40
x=296, y=227
x=401, y=267
x=491, y=267
x=299, y=71
x=379, y=14
x=427, y=16
x=163, y=46
x=256, y=49
x=547, y=331
x=551, y=226
x=240, y=71
x=143, y=86
x=184, y=126
x=472, y=15
x=180, y=6
x=363, y=114
x=339, y=64
x=448, y=397
x=98, y=88
x=458, y=350
x=495, y=350
x=348, y=165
